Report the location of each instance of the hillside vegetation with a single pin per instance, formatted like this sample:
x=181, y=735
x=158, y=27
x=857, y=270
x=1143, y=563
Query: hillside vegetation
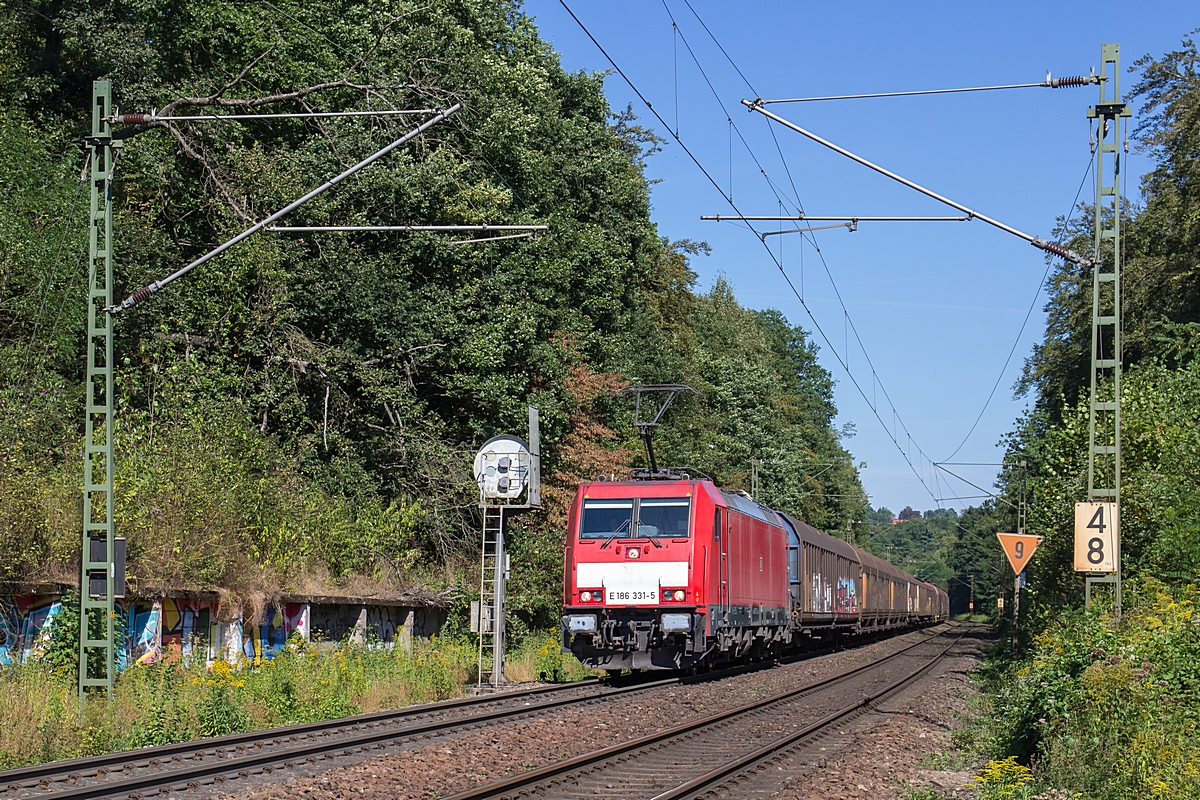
x=1106, y=707
x=302, y=411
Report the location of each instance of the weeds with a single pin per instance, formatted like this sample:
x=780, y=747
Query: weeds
x=180, y=698
x=540, y=658
x=1107, y=711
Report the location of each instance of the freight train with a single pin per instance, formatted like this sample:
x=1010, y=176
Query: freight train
x=676, y=573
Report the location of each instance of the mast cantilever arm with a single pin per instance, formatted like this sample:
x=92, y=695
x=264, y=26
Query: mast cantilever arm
x=1036, y=241
x=149, y=289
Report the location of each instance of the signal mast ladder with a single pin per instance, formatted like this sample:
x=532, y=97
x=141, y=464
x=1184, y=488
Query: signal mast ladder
x=490, y=585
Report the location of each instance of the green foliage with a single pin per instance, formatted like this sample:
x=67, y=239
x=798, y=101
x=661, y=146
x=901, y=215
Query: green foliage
x=765, y=399
x=1004, y=780
x=541, y=658
x=921, y=545
x=1160, y=273
x=308, y=405
x=1110, y=711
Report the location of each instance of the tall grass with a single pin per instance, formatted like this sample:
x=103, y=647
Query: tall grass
x=180, y=698
x=540, y=658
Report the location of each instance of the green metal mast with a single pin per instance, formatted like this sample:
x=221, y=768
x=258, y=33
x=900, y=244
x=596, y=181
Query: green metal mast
x=97, y=574
x=1104, y=424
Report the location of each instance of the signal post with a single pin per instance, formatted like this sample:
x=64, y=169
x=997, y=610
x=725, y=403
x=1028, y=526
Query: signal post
x=1019, y=547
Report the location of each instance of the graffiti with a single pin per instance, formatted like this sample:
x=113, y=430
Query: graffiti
x=822, y=594
x=24, y=626
x=385, y=624
x=145, y=632
x=187, y=625
x=263, y=641
x=190, y=627
x=296, y=618
x=847, y=596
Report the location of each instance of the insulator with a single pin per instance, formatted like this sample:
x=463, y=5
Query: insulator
x=140, y=295
x=1057, y=250
x=1060, y=251
x=135, y=119
x=1072, y=81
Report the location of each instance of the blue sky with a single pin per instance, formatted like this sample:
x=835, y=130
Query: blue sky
x=937, y=306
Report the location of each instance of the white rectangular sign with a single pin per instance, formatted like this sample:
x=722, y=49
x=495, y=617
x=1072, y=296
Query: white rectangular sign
x=632, y=582
x=1096, y=537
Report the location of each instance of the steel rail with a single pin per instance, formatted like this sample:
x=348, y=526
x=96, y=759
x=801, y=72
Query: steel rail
x=715, y=777
x=30, y=776
x=190, y=776
x=39, y=777
x=523, y=784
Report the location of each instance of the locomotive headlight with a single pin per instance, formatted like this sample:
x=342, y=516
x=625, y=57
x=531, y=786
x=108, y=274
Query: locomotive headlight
x=680, y=594
x=585, y=597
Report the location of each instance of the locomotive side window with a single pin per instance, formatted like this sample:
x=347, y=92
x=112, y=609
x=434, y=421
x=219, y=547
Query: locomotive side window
x=606, y=518
x=665, y=516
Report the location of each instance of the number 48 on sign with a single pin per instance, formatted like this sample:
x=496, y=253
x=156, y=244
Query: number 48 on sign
x=1096, y=537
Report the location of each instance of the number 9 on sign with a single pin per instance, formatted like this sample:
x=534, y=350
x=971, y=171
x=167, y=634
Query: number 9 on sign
x=1096, y=537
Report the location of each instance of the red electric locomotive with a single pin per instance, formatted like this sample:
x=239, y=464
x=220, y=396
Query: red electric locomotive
x=671, y=573
x=667, y=572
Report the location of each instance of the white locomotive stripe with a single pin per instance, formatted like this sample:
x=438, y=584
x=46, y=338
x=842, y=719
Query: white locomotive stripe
x=631, y=581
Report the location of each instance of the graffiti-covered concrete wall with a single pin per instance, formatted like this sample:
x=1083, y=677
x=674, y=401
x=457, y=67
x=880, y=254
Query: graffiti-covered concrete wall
x=388, y=625
x=192, y=627
x=22, y=619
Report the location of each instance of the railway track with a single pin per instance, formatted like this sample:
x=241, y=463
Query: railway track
x=698, y=758
x=187, y=766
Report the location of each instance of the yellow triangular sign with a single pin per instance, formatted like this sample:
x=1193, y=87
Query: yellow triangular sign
x=1019, y=548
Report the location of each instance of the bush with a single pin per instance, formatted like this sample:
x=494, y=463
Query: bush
x=1109, y=710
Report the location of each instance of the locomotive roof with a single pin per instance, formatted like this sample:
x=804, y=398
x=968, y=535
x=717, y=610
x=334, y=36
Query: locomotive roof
x=808, y=533
x=749, y=507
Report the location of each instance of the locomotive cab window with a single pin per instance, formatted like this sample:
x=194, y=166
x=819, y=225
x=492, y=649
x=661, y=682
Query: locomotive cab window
x=606, y=518
x=652, y=517
x=664, y=516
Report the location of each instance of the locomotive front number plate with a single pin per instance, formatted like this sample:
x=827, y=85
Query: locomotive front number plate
x=632, y=581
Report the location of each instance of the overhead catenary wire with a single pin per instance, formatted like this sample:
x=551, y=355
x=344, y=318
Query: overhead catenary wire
x=1049, y=83
x=973, y=485
x=151, y=288
x=780, y=195
x=771, y=254
x=144, y=119
x=826, y=217
x=1036, y=241
x=526, y=235
x=1028, y=313
x=847, y=225
x=402, y=228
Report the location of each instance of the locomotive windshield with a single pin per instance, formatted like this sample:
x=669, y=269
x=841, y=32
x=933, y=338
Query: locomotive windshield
x=666, y=516
x=605, y=518
x=656, y=517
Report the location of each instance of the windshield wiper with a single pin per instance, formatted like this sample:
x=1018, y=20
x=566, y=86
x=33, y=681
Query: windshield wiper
x=615, y=534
